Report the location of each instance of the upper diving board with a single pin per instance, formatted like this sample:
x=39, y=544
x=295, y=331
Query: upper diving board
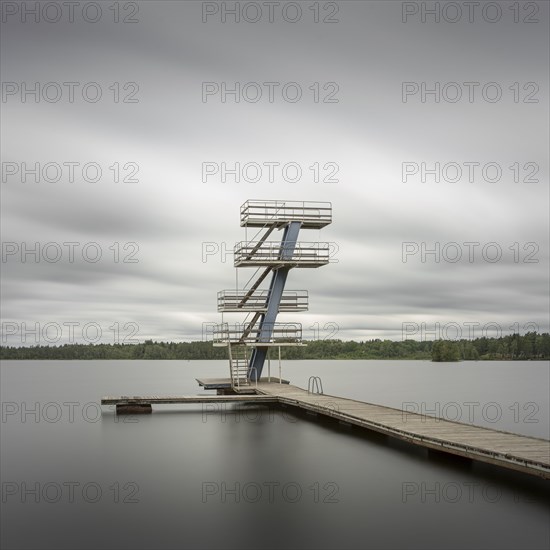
x=312, y=215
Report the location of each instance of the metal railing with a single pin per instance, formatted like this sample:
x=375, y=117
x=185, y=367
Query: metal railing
x=240, y=300
x=270, y=253
x=255, y=371
x=312, y=214
x=281, y=334
x=315, y=385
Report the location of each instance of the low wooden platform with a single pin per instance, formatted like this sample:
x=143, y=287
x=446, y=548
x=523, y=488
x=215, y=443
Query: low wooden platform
x=184, y=399
x=225, y=384
x=144, y=404
x=526, y=454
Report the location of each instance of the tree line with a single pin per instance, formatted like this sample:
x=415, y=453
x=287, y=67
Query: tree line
x=530, y=346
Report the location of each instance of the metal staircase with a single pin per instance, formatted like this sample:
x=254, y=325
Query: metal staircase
x=238, y=365
x=248, y=342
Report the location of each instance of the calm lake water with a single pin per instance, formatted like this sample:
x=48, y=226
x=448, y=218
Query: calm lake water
x=77, y=477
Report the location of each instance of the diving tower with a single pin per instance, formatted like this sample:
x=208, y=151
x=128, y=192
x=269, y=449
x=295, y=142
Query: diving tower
x=248, y=342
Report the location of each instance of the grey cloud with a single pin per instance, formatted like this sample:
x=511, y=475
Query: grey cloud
x=171, y=213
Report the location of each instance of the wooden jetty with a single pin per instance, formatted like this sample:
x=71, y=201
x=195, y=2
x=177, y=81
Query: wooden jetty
x=143, y=404
x=525, y=454
x=517, y=452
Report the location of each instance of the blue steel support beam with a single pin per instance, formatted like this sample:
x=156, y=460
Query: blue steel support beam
x=276, y=287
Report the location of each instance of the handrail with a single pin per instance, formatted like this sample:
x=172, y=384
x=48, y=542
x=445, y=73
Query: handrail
x=269, y=252
x=234, y=300
x=255, y=375
x=310, y=213
x=315, y=383
x=289, y=332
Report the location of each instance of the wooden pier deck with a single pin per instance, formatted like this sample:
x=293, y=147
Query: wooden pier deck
x=526, y=454
x=517, y=452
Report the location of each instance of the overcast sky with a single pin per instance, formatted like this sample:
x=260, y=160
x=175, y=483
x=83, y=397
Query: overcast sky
x=154, y=117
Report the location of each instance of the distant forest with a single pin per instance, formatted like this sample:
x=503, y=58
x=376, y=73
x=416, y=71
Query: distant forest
x=531, y=346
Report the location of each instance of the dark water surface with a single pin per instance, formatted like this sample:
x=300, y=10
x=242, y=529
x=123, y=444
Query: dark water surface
x=240, y=477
